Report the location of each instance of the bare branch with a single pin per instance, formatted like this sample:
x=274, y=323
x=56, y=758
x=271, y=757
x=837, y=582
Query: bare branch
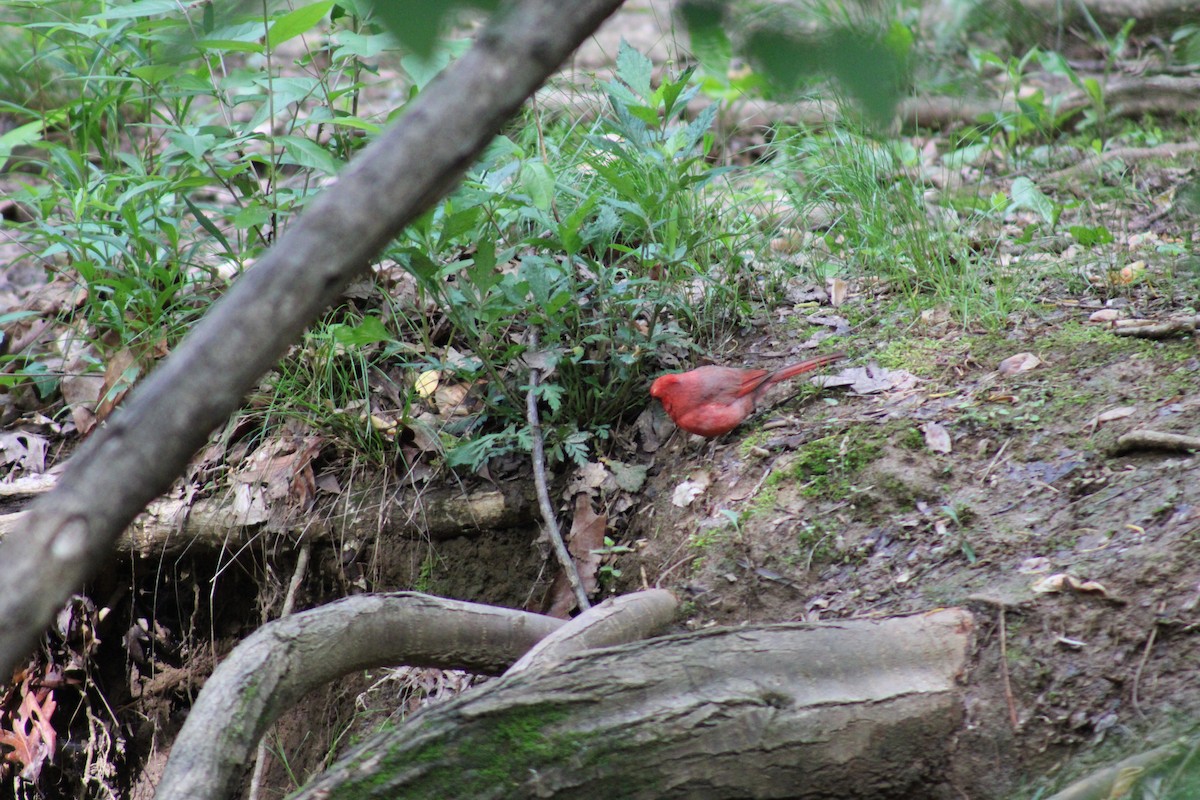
x=137, y=454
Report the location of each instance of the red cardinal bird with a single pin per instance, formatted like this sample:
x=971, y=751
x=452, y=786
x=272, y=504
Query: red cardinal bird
x=711, y=401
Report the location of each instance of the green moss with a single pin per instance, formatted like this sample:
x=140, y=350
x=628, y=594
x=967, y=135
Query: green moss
x=495, y=756
x=911, y=438
x=826, y=466
x=918, y=355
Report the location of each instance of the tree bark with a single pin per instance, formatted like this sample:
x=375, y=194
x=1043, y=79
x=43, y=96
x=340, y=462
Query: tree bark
x=284, y=660
x=145, y=444
x=839, y=710
x=169, y=526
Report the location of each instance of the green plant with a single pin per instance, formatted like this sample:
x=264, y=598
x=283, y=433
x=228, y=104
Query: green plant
x=880, y=227
x=958, y=515
x=609, y=572
x=594, y=240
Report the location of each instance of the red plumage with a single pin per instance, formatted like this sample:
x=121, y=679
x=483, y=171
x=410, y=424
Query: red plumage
x=711, y=401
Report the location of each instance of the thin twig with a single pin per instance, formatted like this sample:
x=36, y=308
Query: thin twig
x=1137, y=675
x=289, y=602
x=995, y=458
x=1008, y=692
x=539, y=482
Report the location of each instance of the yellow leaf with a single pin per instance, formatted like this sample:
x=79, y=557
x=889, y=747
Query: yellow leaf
x=427, y=382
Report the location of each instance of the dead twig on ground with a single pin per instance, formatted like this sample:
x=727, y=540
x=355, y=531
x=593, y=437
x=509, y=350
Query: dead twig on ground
x=1008, y=692
x=1157, y=329
x=1143, y=439
x=1137, y=674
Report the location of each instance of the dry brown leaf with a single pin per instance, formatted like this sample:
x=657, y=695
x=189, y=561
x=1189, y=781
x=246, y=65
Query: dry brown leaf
x=26, y=450
x=1021, y=362
x=630, y=477
x=839, y=290
x=450, y=398
x=937, y=438
x=81, y=393
x=1062, y=582
x=61, y=294
x=283, y=469
x=30, y=735
x=1105, y=315
x=588, y=478
x=686, y=492
x=120, y=374
x=1111, y=415
x=869, y=380
x=587, y=536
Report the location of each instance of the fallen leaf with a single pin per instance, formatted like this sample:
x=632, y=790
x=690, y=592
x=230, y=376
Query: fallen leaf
x=1111, y=415
x=121, y=372
x=282, y=468
x=1128, y=274
x=589, y=478
x=1021, y=362
x=840, y=325
x=629, y=477
x=81, y=393
x=1105, y=315
x=31, y=736
x=545, y=361
x=937, y=438
x=587, y=536
x=450, y=398
x=1034, y=565
x=25, y=450
x=427, y=383
x=686, y=492
x=1062, y=582
x=838, y=291
x=425, y=434
x=869, y=380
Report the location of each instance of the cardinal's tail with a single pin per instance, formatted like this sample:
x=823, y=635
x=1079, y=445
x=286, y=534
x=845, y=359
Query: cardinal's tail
x=803, y=366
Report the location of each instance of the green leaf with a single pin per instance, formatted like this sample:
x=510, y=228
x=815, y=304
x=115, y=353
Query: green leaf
x=13, y=316
x=360, y=45
x=1026, y=195
x=307, y=153
x=482, y=272
x=144, y=8
x=21, y=135
x=155, y=73
x=669, y=91
x=457, y=225
x=569, y=232
x=357, y=123
x=1089, y=236
x=207, y=224
x=868, y=67
x=417, y=23
x=634, y=69
x=552, y=393
x=538, y=181
x=369, y=331
x=706, y=30
x=296, y=22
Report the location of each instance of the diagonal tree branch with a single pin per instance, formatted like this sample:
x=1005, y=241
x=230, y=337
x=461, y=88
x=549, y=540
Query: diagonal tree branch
x=70, y=532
